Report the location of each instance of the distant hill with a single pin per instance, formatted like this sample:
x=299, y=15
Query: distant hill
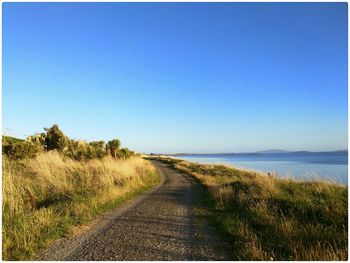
x=230, y=154
x=273, y=151
x=270, y=151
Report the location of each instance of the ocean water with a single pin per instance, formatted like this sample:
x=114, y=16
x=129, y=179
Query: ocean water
x=302, y=165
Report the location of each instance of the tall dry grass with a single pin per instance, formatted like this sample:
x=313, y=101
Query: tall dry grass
x=43, y=197
x=267, y=218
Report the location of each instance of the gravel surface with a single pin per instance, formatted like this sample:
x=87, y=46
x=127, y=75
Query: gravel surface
x=159, y=225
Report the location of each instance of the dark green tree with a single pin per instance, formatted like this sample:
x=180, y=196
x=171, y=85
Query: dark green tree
x=55, y=139
x=113, y=147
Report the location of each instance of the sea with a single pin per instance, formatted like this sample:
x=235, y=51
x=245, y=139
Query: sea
x=331, y=166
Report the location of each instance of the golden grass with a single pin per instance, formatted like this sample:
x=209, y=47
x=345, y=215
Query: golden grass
x=45, y=196
x=267, y=218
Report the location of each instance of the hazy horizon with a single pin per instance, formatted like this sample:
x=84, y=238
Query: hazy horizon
x=244, y=152
x=179, y=77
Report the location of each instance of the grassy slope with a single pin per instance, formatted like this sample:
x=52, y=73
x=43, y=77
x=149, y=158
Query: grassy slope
x=44, y=197
x=10, y=139
x=265, y=218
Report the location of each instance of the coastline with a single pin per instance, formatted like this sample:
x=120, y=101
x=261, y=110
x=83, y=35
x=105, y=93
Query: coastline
x=333, y=168
x=268, y=218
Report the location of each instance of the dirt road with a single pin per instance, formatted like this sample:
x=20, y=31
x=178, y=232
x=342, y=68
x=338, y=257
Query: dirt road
x=159, y=225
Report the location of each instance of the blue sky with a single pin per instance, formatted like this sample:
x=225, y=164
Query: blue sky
x=179, y=77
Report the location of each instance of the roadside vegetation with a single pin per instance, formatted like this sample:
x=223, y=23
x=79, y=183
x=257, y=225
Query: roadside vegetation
x=266, y=218
x=51, y=183
x=54, y=139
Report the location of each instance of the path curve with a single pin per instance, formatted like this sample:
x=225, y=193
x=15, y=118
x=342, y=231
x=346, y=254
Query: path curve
x=158, y=225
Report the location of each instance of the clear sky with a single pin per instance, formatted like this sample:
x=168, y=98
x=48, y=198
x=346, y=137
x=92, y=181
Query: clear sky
x=179, y=77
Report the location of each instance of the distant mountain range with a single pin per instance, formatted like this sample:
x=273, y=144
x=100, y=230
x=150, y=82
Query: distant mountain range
x=273, y=151
x=270, y=151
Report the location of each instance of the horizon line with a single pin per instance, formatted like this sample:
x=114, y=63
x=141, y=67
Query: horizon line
x=248, y=152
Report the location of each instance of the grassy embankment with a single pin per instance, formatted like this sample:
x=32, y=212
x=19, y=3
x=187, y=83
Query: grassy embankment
x=265, y=218
x=44, y=197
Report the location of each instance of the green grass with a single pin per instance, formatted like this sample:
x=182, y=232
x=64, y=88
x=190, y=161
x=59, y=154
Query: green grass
x=266, y=218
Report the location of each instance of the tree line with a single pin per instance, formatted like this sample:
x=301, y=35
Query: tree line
x=54, y=139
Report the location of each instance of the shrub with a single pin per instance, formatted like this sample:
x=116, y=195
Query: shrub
x=38, y=138
x=113, y=147
x=9, y=139
x=19, y=149
x=55, y=139
x=77, y=150
x=97, y=149
x=80, y=150
x=124, y=153
x=73, y=150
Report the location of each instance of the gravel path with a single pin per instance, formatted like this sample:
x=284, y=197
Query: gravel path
x=159, y=225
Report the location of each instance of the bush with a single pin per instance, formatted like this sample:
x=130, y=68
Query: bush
x=80, y=150
x=113, y=147
x=124, y=153
x=38, y=138
x=97, y=149
x=74, y=150
x=19, y=149
x=55, y=139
